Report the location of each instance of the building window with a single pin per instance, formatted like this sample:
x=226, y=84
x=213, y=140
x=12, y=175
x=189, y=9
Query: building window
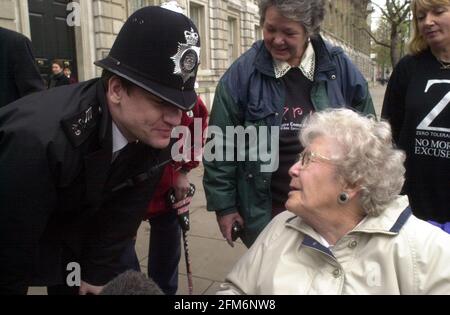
x=233, y=39
x=197, y=15
x=134, y=5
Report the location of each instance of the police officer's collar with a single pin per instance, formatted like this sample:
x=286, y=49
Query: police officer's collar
x=92, y=115
x=118, y=139
x=105, y=128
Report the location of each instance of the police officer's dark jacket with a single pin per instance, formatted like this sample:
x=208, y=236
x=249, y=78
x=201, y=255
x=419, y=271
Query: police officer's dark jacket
x=19, y=75
x=58, y=189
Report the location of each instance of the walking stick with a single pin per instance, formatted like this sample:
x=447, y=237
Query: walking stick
x=182, y=208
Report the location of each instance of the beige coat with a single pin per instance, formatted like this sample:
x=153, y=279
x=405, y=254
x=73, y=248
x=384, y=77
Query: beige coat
x=395, y=253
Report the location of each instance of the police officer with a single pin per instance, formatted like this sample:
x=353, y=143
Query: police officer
x=79, y=163
x=19, y=74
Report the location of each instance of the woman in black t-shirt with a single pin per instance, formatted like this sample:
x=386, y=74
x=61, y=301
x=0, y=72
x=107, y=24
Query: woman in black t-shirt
x=417, y=105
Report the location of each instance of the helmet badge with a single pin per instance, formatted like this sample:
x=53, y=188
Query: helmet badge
x=187, y=57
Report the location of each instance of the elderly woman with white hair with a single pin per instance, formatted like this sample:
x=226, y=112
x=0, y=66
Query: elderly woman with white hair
x=346, y=231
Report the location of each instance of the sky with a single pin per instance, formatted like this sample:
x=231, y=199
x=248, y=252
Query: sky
x=376, y=15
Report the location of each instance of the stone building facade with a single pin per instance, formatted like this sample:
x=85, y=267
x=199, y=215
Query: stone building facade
x=227, y=29
x=343, y=26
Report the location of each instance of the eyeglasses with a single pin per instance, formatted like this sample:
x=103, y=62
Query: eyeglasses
x=307, y=157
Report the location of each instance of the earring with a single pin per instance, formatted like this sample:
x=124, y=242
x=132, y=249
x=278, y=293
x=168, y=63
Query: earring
x=343, y=198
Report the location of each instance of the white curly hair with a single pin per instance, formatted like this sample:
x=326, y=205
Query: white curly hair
x=368, y=158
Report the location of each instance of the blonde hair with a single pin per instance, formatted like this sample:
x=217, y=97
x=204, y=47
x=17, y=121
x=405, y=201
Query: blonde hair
x=368, y=157
x=418, y=43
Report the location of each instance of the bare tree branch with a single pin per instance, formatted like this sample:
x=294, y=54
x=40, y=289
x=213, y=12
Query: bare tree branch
x=371, y=35
x=395, y=14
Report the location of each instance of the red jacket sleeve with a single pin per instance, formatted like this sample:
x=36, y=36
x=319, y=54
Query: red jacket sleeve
x=199, y=115
x=158, y=203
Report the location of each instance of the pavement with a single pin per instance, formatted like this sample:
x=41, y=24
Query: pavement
x=377, y=91
x=211, y=257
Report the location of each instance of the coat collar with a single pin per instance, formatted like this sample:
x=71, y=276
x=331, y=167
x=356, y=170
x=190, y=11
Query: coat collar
x=118, y=139
x=390, y=222
x=263, y=60
x=105, y=127
x=90, y=114
x=323, y=52
x=307, y=65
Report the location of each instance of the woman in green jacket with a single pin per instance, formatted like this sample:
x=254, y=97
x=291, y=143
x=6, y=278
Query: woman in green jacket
x=269, y=90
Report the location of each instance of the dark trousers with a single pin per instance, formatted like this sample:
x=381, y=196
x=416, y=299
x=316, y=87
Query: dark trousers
x=129, y=259
x=165, y=251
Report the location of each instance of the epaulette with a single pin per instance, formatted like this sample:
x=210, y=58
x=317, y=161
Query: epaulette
x=81, y=125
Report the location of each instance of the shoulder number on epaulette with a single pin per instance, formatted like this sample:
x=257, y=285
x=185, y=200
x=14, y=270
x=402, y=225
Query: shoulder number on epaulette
x=79, y=127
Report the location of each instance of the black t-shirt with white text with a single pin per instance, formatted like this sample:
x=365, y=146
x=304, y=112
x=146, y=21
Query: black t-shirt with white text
x=297, y=106
x=417, y=105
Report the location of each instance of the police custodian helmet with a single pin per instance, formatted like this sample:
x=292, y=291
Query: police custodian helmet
x=159, y=51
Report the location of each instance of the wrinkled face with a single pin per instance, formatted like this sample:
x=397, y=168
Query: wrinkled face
x=315, y=186
x=56, y=68
x=146, y=117
x=434, y=25
x=285, y=39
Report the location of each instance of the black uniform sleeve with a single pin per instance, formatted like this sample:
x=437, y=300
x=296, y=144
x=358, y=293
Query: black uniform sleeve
x=394, y=99
x=27, y=195
x=26, y=73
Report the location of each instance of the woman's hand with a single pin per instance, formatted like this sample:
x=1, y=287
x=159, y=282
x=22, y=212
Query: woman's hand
x=86, y=288
x=226, y=224
x=181, y=186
